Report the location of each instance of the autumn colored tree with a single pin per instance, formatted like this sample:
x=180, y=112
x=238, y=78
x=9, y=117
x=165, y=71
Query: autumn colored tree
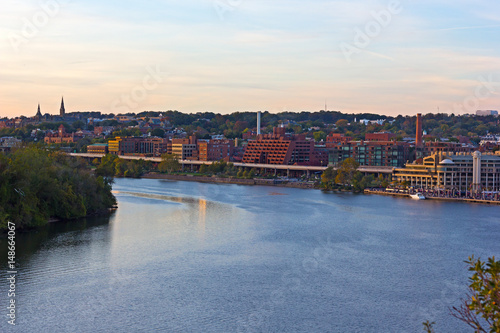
x=328, y=178
x=341, y=123
x=346, y=171
x=169, y=163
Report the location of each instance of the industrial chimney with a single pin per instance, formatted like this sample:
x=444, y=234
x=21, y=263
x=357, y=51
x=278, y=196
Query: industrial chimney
x=258, y=122
x=418, y=140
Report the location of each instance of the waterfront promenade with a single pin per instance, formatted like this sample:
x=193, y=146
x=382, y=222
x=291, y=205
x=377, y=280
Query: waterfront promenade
x=485, y=197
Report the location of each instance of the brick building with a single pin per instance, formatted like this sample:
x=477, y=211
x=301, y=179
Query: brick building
x=371, y=153
x=215, y=150
x=139, y=146
x=7, y=123
x=185, y=149
x=431, y=147
x=380, y=136
x=60, y=137
x=335, y=139
x=280, y=148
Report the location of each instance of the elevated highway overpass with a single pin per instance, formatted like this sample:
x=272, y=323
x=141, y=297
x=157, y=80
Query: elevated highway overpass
x=277, y=167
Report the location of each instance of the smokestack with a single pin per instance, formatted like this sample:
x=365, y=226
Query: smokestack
x=418, y=141
x=258, y=122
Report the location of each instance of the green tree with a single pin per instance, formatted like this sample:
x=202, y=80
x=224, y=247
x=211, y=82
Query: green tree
x=328, y=178
x=320, y=135
x=107, y=166
x=481, y=309
x=158, y=132
x=120, y=167
x=251, y=174
x=346, y=171
x=36, y=184
x=77, y=125
x=169, y=163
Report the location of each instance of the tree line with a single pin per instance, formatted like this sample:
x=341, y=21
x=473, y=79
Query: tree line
x=321, y=123
x=348, y=177
x=37, y=185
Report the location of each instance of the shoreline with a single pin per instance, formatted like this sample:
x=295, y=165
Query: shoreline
x=301, y=185
x=53, y=220
x=406, y=195
x=236, y=181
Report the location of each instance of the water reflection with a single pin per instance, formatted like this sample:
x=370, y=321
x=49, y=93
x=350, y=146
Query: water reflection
x=202, y=216
x=189, y=257
x=194, y=212
x=28, y=243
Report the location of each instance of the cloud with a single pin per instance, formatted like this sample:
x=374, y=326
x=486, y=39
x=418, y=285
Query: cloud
x=259, y=55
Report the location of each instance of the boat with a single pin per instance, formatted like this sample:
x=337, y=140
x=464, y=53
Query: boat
x=417, y=196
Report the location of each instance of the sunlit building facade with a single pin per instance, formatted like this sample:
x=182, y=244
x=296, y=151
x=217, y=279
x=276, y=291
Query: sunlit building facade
x=461, y=172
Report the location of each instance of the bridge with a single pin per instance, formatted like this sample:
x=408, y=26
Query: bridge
x=375, y=170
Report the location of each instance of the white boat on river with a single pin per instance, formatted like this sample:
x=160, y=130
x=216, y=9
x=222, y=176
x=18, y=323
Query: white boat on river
x=417, y=196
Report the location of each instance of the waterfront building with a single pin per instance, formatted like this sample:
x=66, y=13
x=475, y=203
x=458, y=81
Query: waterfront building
x=446, y=171
x=153, y=146
x=280, y=148
x=215, y=150
x=185, y=149
x=138, y=146
x=123, y=145
x=370, y=153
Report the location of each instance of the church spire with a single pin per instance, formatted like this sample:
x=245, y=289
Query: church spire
x=38, y=113
x=62, y=111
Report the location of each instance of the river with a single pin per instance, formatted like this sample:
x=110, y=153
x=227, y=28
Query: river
x=195, y=257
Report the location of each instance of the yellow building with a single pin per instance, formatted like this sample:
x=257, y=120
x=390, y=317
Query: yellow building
x=460, y=172
x=114, y=145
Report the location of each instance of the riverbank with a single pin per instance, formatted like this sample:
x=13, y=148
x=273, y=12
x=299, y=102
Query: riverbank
x=238, y=181
x=398, y=194
x=303, y=185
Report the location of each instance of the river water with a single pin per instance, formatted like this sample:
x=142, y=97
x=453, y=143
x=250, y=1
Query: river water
x=195, y=257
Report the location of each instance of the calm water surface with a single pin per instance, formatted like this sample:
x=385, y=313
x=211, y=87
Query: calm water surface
x=191, y=257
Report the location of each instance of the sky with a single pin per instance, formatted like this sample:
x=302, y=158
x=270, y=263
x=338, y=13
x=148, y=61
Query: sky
x=387, y=57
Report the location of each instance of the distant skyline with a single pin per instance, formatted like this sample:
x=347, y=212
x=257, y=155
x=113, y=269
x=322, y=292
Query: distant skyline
x=223, y=56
